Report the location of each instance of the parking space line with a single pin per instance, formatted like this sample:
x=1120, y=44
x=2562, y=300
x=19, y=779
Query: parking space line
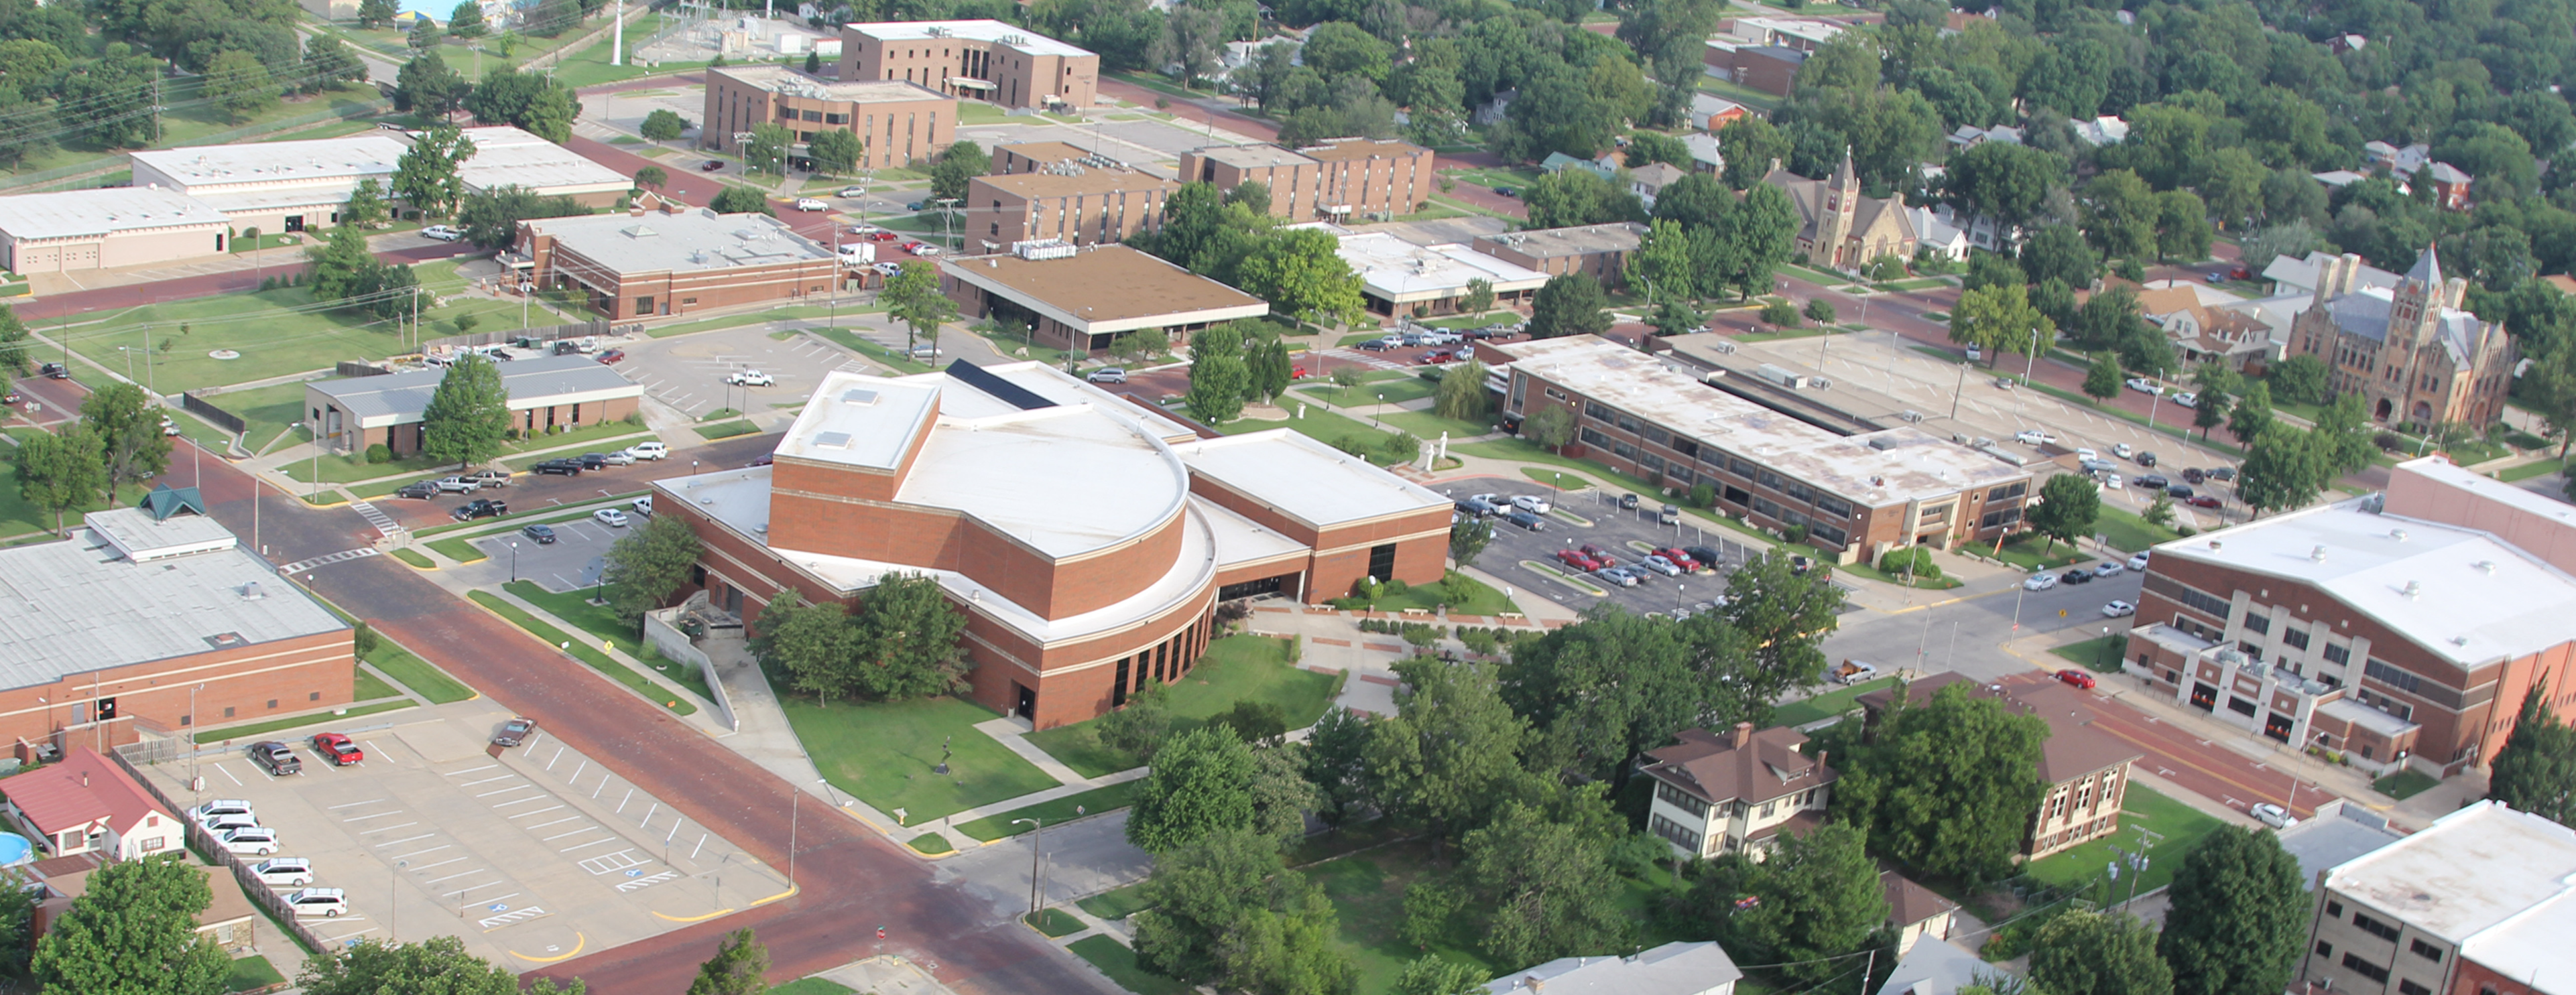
x=379, y=815
x=454, y=876
x=592, y=843
x=702, y=844
x=575, y=777
x=416, y=853
x=507, y=790
x=462, y=892
x=344, y=936
x=471, y=770
x=228, y=775
x=621, y=803
x=442, y=863
x=405, y=839
x=572, y=832
x=369, y=801
x=650, y=813
x=557, y=822
x=523, y=801
x=487, y=780
x=391, y=828
x=552, y=761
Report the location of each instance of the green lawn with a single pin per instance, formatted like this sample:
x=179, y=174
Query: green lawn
x=812, y=986
x=415, y=673
x=1116, y=903
x=268, y=410
x=20, y=518
x=255, y=729
x=277, y=333
x=1364, y=398
x=2404, y=784
x=256, y=972
x=1054, y=922
x=1481, y=599
x=727, y=429
x=2127, y=531
x=2100, y=653
x=2031, y=552
x=1428, y=426
x=602, y=624
x=1119, y=963
x=461, y=550
x=1826, y=705
x=882, y=753
x=1325, y=427
x=1943, y=583
x=1235, y=668
x=414, y=557
x=2528, y=471
x=190, y=119
x=881, y=355
x=1367, y=890
x=932, y=844
x=373, y=688
x=2144, y=809
x=582, y=650
x=1092, y=802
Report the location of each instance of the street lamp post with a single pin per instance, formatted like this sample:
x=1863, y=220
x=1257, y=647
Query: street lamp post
x=1037, y=834
x=198, y=785
x=514, y=561
x=2106, y=647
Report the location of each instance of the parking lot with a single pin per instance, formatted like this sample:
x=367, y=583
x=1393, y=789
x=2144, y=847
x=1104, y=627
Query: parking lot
x=532, y=856
x=532, y=493
x=1518, y=554
x=688, y=372
x=569, y=563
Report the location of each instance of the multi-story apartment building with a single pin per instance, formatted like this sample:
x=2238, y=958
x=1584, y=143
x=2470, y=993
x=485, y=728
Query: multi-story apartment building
x=1855, y=496
x=1736, y=793
x=2086, y=770
x=1600, y=250
x=2410, y=351
x=2482, y=902
x=1064, y=201
x=897, y=122
x=987, y=60
x=1342, y=179
x=2402, y=628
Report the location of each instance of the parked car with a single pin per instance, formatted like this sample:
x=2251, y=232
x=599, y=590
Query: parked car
x=643, y=506
x=1532, y=503
x=1475, y=508
x=1680, y=558
x=284, y=872
x=458, y=485
x=2145, y=386
x=750, y=378
x=2033, y=437
x=515, y=731
x=2078, y=575
x=479, y=508
x=222, y=824
x=276, y=758
x=2187, y=399
x=921, y=248
x=612, y=356
x=442, y=233
x=2124, y=450
x=2112, y=481
x=2138, y=563
x=882, y=235
x=2194, y=475
x=219, y=807
x=337, y=748
x=1707, y=557
x=490, y=478
x=2076, y=677
x=2108, y=570
x=852, y=192
x=54, y=371
x=2204, y=501
x=420, y=491
x=1856, y=672
x=1379, y=345
x=1108, y=374
x=2039, y=582
x=2119, y=609
x=2222, y=474
x=1670, y=515
x=2178, y=491
x=649, y=450
x=2146, y=459
x=1976, y=354
x=2151, y=481
x=1662, y=566
x=811, y=204
x=1526, y=520
x=2096, y=465
x=1624, y=576
x=256, y=841
x=711, y=165
x=610, y=517
x=1434, y=357
x=617, y=457
x=325, y=902
x=565, y=467
x=2273, y=815
x=543, y=535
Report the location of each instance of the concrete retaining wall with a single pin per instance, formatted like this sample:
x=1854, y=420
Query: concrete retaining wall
x=675, y=645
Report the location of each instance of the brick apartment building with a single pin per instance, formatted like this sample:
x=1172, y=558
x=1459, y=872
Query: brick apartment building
x=1857, y=496
x=1342, y=179
x=1600, y=250
x=2086, y=770
x=2478, y=903
x=986, y=60
x=897, y=122
x=2397, y=629
x=1066, y=202
x=1086, y=539
x=112, y=627
x=673, y=261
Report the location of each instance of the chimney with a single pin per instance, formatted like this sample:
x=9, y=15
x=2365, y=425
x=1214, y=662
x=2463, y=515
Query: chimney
x=84, y=779
x=2325, y=281
x=1743, y=734
x=2351, y=273
x=2454, y=290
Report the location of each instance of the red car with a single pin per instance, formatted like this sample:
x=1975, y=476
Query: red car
x=1680, y=559
x=612, y=355
x=2076, y=677
x=337, y=748
x=2203, y=501
x=1577, y=560
x=711, y=165
x=1297, y=373
x=882, y=235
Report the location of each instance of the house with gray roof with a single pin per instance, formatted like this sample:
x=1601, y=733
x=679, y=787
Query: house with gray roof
x=1701, y=968
x=551, y=394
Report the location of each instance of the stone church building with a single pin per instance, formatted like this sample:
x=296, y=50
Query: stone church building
x=1840, y=228
x=2410, y=350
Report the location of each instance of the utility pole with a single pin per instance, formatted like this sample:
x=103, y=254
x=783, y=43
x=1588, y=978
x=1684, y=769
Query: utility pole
x=617, y=38
x=1958, y=392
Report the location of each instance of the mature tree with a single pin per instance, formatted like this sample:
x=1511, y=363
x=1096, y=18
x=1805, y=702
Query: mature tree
x=426, y=86
x=2252, y=414
x=13, y=342
x=2182, y=226
x=1140, y=728
x=2240, y=911
x=367, y=207
x=651, y=176
x=128, y=429
x=1540, y=880
x=2102, y=379
x=740, y=200
x=1948, y=786
x=2058, y=252
x=1662, y=263
x=239, y=85
x=913, y=298
x=1816, y=897
x=490, y=218
x=766, y=152
x=2284, y=468
x=1552, y=426
x=836, y=151
x=1267, y=364
x=2098, y=953
x=1997, y=318
x=959, y=163
x=2120, y=216
x=1434, y=975
x=1252, y=194
x=341, y=264
x=2066, y=509
x=737, y=967
x=1450, y=753
x=814, y=643
x=424, y=34
x=526, y=100
x=1785, y=613
x=468, y=416
x=111, y=102
x=1218, y=376
x=2300, y=379
x=466, y=21
x=1462, y=394
x=1752, y=147
x=642, y=569
x=134, y=932
x=1760, y=235
x=2536, y=770
x=1192, y=40
x=1468, y=538
x=2210, y=410
x=1303, y=276
x=61, y=472
x=426, y=176
x=27, y=124
x=1281, y=795
x=664, y=124
x=1818, y=310
x=438, y=966
x=912, y=637
x=1569, y=304
x=1606, y=689
x=1479, y=297
x=377, y=13
x=2005, y=181
x=1200, y=784
x=1225, y=911
x=1578, y=196
x=1337, y=764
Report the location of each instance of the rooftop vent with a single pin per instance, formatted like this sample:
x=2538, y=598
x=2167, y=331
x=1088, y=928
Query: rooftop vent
x=2397, y=534
x=2318, y=554
x=2213, y=545
x=859, y=396
x=252, y=592
x=637, y=231
x=2414, y=589
x=2485, y=566
x=835, y=440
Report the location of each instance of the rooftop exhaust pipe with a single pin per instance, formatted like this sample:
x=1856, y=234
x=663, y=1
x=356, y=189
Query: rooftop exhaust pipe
x=2414, y=589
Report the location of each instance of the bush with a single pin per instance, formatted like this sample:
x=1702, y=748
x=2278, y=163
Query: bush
x=379, y=453
x=2388, y=441
x=1479, y=641
x=365, y=640
x=1795, y=533
x=1780, y=313
x=1703, y=496
x=1915, y=558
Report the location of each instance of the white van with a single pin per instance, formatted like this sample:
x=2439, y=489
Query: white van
x=318, y=902
x=649, y=450
x=220, y=806
x=284, y=872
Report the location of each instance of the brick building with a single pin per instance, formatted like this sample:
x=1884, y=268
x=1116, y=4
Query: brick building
x=2411, y=351
x=675, y=261
x=1342, y=179
x=352, y=413
x=987, y=60
x=2479, y=903
x=1601, y=250
x=112, y=627
x=1736, y=793
x=898, y=123
x=1858, y=496
x=1029, y=157
x=1087, y=540
x=1065, y=202
x=2086, y=770
x=1084, y=299
x=2403, y=628
x=107, y=228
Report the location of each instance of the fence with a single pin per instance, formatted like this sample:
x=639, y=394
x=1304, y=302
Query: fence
x=544, y=333
x=349, y=369
x=257, y=890
x=207, y=410
x=676, y=645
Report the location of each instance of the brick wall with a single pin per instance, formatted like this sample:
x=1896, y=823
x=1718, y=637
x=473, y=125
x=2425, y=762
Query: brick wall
x=242, y=684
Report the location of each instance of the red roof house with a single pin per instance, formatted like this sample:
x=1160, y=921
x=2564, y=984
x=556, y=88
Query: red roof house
x=87, y=803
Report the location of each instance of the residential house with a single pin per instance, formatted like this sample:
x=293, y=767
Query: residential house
x=2202, y=330
x=2294, y=275
x=2101, y=131
x=1840, y=228
x=1710, y=112
x=2401, y=161
x=1935, y=235
x=2413, y=353
x=1737, y=793
x=1648, y=181
x=2086, y=770
x=2481, y=902
x=86, y=803
x=1705, y=158
x=1938, y=967
x=1606, y=166
x=1677, y=968
x=2450, y=186
x=1970, y=136
x=229, y=919
x=1916, y=913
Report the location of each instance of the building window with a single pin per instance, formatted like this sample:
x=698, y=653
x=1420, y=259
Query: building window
x=2338, y=654
x=2204, y=604
x=2383, y=672
x=1382, y=561
x=2425, y=950
x=2295, y=638
x=1668, y=829
x=2407, y=986
x=2366, y=969
x=1680, y=799
x=2334, y=909
x=1768, y=808
x=2240, y=706
x=2374, y=927
x=2256, y=622
x=2325, y=949
x=228, y=711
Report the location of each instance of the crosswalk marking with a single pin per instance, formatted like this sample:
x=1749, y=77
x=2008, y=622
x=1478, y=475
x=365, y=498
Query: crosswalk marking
x=512, y=916
x=640, y=884
x=384, y=523
x=342, y=556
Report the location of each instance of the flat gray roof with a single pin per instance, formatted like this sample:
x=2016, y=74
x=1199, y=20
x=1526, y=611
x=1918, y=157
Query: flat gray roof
x=543, y=382
x=269, y=162
x=690, y=241
x=2472, y=870
x=1548, y=243
x=1305, y=479
x=76, y=605
x=74, y=213
x=2326, y=842
x=511, y=157
x=1256, y=155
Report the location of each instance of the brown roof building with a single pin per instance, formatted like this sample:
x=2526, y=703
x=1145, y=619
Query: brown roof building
x=984, y=59
x=1066, y=202
x=1916, y=912
x=1335, y=180
x=675, y=261
x=1738, y=792
x=1085, y=298
x=2086, y=770
x=1841, y=228
x=897, y=122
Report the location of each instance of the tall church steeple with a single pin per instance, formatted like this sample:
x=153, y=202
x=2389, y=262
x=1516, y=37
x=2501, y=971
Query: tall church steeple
x=1834, y=223
x=2415, y=305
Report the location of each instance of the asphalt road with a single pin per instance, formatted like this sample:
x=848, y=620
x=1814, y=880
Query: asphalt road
x=1962, y=633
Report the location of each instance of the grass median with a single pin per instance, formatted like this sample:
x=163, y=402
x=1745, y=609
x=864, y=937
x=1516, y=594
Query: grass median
x=602, y=623
x=1073, y=806
x=885, y=753
x=417, y=674
x=1235, y=668
x=257, y=729
x=583, y=651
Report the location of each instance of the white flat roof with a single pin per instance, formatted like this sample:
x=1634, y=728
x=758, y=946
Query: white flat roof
x=2472, y=870
x=2533, y=949
x=269, y=162
x=984, y=31
x=691, y=241
x=314, y=196
x=1304, y=479
x=1016, y=446
x=1240, y=539
x=2473, y=599
x=1395, y=270
x=505, y=156
x=77, y=605
x=74, y=213
x=1876, y=469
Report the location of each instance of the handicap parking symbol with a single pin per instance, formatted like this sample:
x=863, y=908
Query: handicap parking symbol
x=498, y=907
x=635, y=872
